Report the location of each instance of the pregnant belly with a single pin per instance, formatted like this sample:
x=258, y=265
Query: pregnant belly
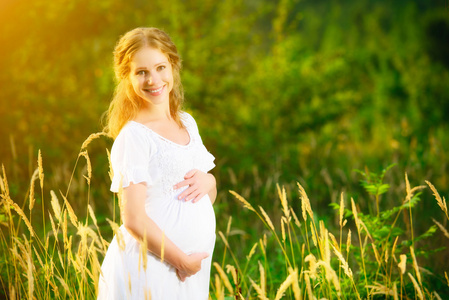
x=191, y=226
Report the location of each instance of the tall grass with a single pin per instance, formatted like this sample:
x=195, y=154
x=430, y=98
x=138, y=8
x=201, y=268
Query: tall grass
x=297, y=256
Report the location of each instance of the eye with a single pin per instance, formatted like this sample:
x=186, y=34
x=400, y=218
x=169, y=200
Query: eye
x=161, y=68
x=141, y=72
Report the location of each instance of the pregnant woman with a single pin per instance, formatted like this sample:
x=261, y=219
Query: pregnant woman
x=160, y=168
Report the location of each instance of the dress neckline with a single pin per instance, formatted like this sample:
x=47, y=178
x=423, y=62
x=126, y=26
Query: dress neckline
x=166, y=139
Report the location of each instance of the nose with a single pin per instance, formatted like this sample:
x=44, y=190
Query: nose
x=150, y=79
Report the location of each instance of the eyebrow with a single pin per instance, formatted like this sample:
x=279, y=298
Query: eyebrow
x=156, y=65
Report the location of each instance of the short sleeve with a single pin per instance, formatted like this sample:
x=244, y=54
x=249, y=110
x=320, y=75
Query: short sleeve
x=130, y=158
x=205, y=158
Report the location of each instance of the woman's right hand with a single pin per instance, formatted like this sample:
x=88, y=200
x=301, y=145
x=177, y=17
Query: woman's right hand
x=192, y=265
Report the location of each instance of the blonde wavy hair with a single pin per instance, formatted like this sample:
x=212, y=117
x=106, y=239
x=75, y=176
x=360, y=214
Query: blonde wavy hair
x=126, y=103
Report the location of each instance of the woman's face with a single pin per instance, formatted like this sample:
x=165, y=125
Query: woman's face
x=151, y=76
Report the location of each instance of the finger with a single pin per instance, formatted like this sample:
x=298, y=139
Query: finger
x=193, y=195
x=190, y=174
x=186, y=193
x=182, y=183
x=198, y=197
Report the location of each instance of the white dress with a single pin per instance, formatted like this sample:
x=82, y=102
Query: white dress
x=141, y=155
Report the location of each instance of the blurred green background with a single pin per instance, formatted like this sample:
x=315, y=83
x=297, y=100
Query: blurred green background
x=283, y=91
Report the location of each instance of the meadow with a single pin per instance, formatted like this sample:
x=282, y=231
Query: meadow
x=296, y=255
x=328, y=121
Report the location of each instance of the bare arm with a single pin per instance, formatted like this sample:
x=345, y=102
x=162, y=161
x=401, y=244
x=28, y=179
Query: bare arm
x=138, y=223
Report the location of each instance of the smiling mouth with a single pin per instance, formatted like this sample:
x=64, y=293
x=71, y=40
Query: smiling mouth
x=155, y=91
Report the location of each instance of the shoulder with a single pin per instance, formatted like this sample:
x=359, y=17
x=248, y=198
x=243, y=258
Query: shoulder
x=187, y=119
x=132, y=133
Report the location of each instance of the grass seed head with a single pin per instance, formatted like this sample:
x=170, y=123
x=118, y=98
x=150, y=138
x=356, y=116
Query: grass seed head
x=417, y=288
x=55, y=205
x=441, y=201
x=284, y=286
x=402, y=263
x=92, y=137
x=41, y=169
x=72, y=215
x=267, y=218
x=224, y=278
x=33, y=179
x=415, y=265
x=445, y=232
x=342, y=209
x=241, y=199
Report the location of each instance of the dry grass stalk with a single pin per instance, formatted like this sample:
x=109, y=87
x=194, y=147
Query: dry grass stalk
x=30, y=276
x=331, y=276
x=354, y=211
x=376, y=254
x=41, y=169
x=162, y=246
x=267, y=218
x=446, y=233
x=219, y=289
x=311, y=259
x=91, y=214
x=295, y=284
x=64, y=229
x=72, y=215
x=348, y=241
x=344, y=263
x=241, y=199
x=225, y=241
x=394, y=247
x=147, y=293
x=284, y=286
x=447, y=278
x=395, y=292
x=260, y=293
x=118, y=234
x=441, y=201
x=379, y=289
x=314, y=234
x=5, y=186
x=295, y=217
x=417, y=288
x=20, y=212
x=284, y=202
x=53, y=227
x=55, y=205
x=111, y=171
x=143, y=258
x=2, y=185
x=38, y=257
x=407, y=189
x=308, y=287
x=436, y=295
x=228, y=228
x=92, y=137
x=305, y=203
x=283, y=222
x=263, y=282
x=64, y=285
x=415, y=265
x=89, y=166
x=251, y=252
x=342, y=209
x=233, y=271
x=33, y=179
x=334, y=241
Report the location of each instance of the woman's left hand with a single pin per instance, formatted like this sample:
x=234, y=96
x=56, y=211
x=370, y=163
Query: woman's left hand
x=199, y=183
